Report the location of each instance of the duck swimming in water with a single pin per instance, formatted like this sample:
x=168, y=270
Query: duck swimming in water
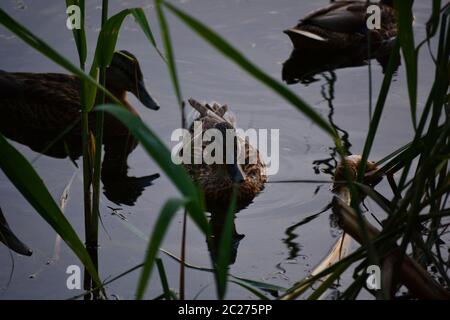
x=47, y=104
x=342, y=25
x=217, y=180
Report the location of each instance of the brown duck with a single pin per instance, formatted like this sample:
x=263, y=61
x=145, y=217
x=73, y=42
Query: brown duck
x=342, y=25
x=217, y=180
x=46, y=105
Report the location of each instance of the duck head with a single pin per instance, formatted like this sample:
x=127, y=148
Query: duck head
x=124, y=75
x=233, y=168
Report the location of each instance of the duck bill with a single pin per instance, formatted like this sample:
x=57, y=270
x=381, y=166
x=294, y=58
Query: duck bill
x=144, y=97
x=236, y=173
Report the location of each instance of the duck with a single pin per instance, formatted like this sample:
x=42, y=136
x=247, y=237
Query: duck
x=46, y=105
x=217, y=180
x=342, y=25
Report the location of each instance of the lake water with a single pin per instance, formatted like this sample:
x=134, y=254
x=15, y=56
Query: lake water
x=266, y=253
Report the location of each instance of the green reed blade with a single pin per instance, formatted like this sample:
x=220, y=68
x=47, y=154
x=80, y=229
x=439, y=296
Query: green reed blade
x=224, y=250
x=140, y=18
x=234, y=55
x=406, y=38
x=163, y=278
x=161, y=154
x=166, y=215
x=31, y=186
x=169, y=51
x=373, y=127
x=258, y=294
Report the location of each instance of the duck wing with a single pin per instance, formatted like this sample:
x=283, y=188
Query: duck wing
x=341, y=16
x=46, y=102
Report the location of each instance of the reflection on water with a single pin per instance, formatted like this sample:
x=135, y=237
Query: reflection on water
x=217, y=224
x=328, y=164
x=203, y=73
x=118, y=186
x=306, y=66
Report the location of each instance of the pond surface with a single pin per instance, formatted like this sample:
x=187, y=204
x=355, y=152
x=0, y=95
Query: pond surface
x=267, y=252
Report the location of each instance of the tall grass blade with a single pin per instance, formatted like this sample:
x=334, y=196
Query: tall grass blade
x=258, y=294
x=373, y=127
x=140, y=18
x=406, y=38
x=234, y=55
x=163, y=278
x=165, y=217
x=226, y=240
x=159, y=152
x=169, y=51
x=30, y=185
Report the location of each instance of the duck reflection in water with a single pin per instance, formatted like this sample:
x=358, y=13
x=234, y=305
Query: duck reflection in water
x=217, y=223
x=118, y=187
x=311, y=61
x=304, y=64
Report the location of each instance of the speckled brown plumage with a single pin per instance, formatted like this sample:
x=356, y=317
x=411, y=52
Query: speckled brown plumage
x=342, y=25
x=214, y=179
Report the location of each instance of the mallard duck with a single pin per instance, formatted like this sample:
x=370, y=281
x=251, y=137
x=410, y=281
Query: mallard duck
x=342, y=25
x=217, y=180
x=47, y=104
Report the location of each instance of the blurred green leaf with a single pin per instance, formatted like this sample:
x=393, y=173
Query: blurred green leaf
x=406, y=37
x=169, y=51
x=376, y=118
x=224, y=251
x=258, y=294
x=159, y=231
x=30, y=185
x=163, y=278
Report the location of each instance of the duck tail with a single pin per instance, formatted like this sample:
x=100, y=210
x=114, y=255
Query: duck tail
x=295, y=34
x=216, y=111
x=201, y=108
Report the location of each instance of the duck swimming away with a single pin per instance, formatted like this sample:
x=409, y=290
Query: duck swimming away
x=46, y=104
x=217, y=180
x=343, y=25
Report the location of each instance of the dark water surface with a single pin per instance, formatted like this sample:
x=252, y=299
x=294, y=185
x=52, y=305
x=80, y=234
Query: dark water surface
x=255, y=27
